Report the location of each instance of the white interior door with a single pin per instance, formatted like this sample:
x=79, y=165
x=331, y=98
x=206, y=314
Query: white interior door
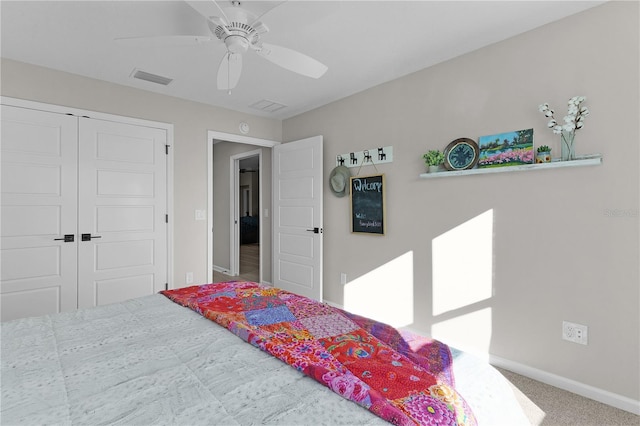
x=297, y=217
x=39, y=206
x=122, y=212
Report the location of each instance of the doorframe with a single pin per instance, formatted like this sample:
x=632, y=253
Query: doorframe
x=212, y=137
x=168, y=127
x=234, y=202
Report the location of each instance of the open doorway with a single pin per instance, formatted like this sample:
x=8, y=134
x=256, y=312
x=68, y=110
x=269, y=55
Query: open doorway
x=223, y=241
x=247, y=217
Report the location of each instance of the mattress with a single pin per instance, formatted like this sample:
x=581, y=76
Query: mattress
x=151, y=361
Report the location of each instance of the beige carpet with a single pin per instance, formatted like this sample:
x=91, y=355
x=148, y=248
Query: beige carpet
x=546, y=405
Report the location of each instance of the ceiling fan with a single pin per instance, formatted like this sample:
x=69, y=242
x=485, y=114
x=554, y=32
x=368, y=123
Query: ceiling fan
x=239, y=30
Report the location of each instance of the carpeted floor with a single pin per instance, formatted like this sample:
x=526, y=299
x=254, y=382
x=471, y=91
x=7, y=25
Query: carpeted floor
x=546, y=405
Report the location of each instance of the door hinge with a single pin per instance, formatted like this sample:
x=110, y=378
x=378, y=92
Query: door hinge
x=166, y=286
x=166, y=218
x=166, y=149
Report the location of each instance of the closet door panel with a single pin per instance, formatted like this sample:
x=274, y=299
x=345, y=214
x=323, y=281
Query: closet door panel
x=122, y=187
x=38, y=207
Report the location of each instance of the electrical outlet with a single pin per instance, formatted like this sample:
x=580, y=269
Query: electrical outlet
x=576, y=333
x=343, y=278
x=188, y=279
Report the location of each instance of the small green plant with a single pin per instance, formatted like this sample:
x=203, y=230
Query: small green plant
x=433, y=158
x=544, y=148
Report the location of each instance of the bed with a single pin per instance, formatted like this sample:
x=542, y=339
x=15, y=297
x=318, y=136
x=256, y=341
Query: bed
x=152, y=360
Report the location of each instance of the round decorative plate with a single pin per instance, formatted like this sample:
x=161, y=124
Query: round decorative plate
x=461, y=154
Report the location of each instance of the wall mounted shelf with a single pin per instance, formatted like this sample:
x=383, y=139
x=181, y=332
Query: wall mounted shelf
x=587, y=160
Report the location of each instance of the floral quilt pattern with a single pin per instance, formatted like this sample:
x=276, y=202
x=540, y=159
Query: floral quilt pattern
x=403, y=378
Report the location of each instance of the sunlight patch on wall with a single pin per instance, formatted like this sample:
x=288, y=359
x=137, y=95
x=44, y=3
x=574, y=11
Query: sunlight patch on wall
x=462, y=260
x=384, y=294
x=470, y=332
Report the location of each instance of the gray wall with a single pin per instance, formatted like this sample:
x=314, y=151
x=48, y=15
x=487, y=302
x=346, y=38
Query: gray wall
x=191, y=122
x=553, y=245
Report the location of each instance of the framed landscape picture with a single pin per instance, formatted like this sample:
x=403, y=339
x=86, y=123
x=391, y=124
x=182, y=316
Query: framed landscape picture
x=506, y=149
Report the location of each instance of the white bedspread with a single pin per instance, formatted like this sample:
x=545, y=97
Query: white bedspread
x=150, y=361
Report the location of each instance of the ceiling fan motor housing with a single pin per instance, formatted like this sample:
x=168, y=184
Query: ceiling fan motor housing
x=237, y=36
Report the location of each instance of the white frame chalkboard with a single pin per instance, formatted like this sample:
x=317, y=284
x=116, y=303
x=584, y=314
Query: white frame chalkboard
x=367, y=194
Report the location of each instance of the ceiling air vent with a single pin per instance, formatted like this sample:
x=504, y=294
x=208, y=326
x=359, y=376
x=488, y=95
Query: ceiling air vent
x=153, y=78
x=267, y=106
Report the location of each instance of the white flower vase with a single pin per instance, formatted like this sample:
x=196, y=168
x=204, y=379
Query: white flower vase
x=433, y=169
x=568, y=150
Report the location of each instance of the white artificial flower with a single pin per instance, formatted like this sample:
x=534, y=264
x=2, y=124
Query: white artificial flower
x=574, y=119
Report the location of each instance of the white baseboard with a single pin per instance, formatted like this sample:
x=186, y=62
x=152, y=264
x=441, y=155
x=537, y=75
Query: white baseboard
x=588, y=391
x=335, y=305
x=221, y=270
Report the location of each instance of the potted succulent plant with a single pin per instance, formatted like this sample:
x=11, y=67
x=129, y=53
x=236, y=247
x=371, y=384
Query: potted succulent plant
x=433, y=159
x=544, y=154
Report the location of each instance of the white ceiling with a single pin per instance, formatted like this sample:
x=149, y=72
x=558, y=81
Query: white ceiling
x=364, y=43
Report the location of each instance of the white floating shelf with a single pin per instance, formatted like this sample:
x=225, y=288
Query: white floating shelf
x=587, y=160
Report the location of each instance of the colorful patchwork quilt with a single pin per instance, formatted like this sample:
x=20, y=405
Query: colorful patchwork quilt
x=403, y=378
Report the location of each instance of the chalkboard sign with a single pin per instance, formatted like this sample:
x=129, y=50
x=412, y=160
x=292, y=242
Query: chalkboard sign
x=367, y=204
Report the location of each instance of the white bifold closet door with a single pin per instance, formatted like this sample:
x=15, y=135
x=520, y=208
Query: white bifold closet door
x=121, y=212
x=39, y=206
x=84, y=205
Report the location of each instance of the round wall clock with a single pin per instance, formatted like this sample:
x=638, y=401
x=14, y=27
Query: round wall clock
x=461, y=154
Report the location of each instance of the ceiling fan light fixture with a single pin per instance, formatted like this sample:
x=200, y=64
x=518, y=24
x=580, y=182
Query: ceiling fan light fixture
x=236, y=44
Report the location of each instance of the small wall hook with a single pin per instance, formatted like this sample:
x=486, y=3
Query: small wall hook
x=381, y=154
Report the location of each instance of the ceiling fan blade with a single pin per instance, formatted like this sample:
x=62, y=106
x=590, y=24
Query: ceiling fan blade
x=164, y=41
x=292, y=60
x=208, y=8
x=229, y=71
x=269, y=9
